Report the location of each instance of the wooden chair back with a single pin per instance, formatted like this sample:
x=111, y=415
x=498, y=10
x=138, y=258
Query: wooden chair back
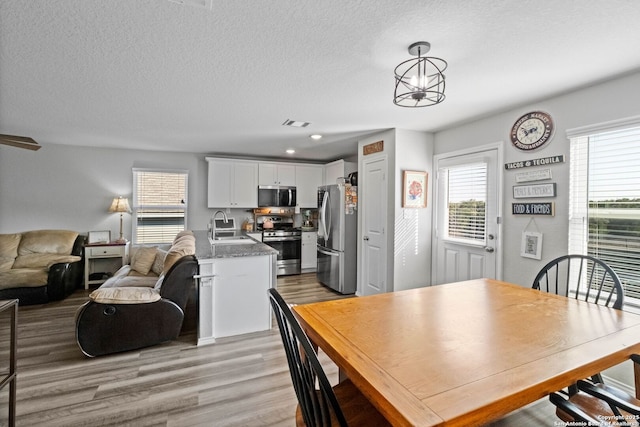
x=582, y=277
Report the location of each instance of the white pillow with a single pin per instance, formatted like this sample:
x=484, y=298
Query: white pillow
x=143, y=259
x=158, y=263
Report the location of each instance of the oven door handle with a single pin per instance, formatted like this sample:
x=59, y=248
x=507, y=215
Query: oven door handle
x=280, y=239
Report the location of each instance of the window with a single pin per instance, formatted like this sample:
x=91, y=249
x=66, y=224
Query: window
x=159, y=205
x=604, y=211
x=467, y=196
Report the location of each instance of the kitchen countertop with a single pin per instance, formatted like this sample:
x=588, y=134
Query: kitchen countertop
x=204, y=249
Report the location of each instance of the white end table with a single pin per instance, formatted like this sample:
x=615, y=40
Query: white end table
x=97, y=253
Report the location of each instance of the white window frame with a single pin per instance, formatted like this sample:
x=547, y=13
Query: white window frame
x=135, y=207
x=579, y=186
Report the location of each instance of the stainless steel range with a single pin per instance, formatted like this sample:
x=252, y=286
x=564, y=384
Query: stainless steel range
x=287, y=240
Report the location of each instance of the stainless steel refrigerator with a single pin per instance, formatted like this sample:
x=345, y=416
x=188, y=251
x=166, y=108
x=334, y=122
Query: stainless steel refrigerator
x=337, y=234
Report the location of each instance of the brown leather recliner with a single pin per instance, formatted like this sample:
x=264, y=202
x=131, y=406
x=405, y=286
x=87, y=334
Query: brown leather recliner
x=105, y=328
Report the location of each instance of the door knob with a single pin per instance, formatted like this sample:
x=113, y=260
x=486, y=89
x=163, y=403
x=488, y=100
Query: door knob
x=489, y=249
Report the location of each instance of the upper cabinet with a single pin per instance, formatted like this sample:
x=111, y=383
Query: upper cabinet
x=277, y=174
x=232, y=183
x=308, y=179
x=338, y=169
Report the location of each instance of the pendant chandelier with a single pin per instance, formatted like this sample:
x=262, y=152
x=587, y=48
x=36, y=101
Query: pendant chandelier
x=419, y=81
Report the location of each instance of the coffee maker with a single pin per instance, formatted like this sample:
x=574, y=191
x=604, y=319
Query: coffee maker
x=307, y=223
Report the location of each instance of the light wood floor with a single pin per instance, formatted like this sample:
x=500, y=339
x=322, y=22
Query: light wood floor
x=240, y=381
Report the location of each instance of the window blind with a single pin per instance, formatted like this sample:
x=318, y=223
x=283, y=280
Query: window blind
x=604, y=214
x=160, y=205
x=467, y=196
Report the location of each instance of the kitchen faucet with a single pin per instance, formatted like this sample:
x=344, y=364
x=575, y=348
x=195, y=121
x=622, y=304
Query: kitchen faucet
x=213, y=222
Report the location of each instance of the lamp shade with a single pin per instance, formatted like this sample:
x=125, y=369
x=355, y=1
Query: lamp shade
x=120, y=204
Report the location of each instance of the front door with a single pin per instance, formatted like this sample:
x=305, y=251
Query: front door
x=467, y=225
x=373, y=189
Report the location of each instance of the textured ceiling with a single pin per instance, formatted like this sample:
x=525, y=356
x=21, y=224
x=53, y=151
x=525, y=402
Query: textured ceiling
x=158, y=75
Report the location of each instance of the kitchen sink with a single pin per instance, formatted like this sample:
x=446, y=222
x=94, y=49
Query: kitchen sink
x=232, y=240
x=235, y=242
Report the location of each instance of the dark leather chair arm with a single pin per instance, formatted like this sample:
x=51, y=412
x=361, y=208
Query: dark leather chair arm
x=110, y=328
x=63, y=279
x=179, y=284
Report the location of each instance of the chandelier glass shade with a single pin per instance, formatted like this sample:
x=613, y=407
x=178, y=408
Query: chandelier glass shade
x=420, y=81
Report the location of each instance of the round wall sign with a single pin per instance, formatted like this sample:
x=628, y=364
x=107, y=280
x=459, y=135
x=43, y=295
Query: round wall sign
x=532, y=130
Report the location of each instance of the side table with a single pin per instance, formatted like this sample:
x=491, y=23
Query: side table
x=111, y=255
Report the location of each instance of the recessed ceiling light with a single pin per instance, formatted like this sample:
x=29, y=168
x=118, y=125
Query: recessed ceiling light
x=291, y=151
x=315, y=136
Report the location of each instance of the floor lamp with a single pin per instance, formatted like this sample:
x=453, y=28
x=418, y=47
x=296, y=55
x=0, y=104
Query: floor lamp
x=121, y=205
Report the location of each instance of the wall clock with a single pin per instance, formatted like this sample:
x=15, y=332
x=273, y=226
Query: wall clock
x=532, y=130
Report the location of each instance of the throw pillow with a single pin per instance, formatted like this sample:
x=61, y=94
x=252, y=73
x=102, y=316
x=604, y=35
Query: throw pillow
x=124, y=295
x=143, y=259
x=158, y=262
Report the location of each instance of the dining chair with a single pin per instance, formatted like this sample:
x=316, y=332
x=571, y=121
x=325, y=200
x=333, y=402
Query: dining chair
x=341, y=405
x=582, y=277
x=599, y=404
x=590, y=279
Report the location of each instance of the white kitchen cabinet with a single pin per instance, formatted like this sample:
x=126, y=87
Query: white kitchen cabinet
x=309, y=251
x=232, y=183
x=338, y=169
x=308, y=179
x=206, y=302
x=277, y=174
x=233, y=297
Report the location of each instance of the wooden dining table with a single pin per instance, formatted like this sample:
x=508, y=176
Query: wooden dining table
x=466, y=353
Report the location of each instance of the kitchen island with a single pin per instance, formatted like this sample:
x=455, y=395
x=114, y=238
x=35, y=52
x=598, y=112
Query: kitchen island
x=233, y=281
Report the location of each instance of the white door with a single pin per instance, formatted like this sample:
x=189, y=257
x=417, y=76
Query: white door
x=467, y=225
x=373, y=188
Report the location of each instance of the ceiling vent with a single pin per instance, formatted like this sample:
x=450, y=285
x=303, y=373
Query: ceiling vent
x=295, y=123
x=202, y=4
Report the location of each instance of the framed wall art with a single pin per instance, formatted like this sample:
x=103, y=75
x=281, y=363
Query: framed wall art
x=98, y=237
x=414, y=189
x=531, y=246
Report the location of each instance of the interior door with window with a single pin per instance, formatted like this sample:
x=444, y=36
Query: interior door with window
x=466, y=235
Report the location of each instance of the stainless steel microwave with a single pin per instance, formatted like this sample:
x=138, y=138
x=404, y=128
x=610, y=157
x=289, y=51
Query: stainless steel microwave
x=276, y=195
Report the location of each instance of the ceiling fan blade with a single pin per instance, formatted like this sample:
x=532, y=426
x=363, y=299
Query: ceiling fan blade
x=19, y=141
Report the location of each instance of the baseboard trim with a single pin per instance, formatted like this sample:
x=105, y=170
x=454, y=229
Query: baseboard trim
x=619, y=385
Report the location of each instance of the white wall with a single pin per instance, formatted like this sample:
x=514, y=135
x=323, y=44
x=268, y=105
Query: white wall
x=409, y=230
x=412, y=242
x=72, y=187
x=597, y=104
